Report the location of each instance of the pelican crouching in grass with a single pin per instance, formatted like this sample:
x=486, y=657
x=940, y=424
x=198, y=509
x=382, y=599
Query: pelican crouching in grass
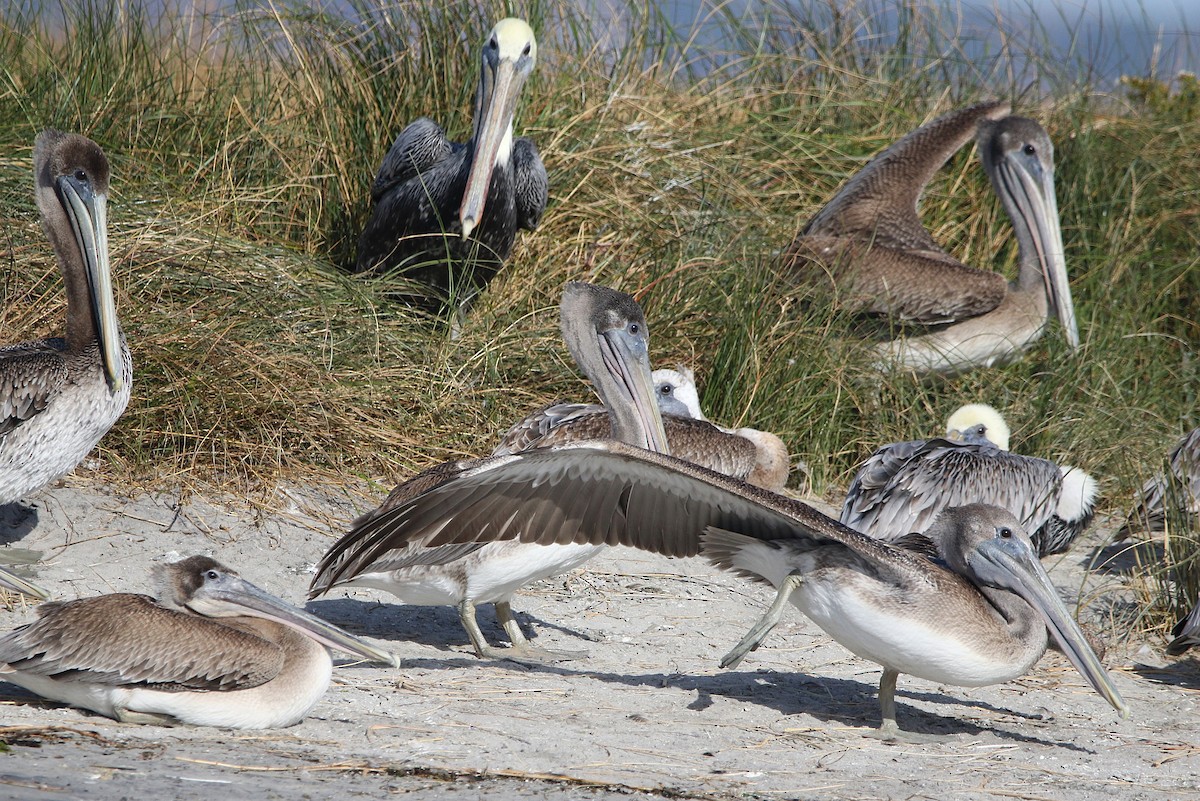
x=871, y=244
x=903, y=487
x=606, y=333
x=446, y=215
x=1178, y=490
x=978, y=615
x=214, y=650
x=58, y=396
x=758, y=457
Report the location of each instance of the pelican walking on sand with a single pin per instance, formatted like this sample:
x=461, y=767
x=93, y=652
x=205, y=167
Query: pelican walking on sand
x=977, y=615
x=871, y=244
x=58, y=396
x=606, y=333
x=903, y=487
x=214, y=650
x=446, y=214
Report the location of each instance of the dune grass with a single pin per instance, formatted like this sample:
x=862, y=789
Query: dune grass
x=243, y=146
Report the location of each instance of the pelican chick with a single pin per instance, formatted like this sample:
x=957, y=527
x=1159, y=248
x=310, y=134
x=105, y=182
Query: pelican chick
x=213, y=650
x=902, y=487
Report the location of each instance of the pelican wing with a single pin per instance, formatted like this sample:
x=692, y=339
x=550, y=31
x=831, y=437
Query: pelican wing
x=31, y=374
x=1183, y=483
x=591, y=419
x=879, y=203
x=125, y=639
x=421, y=145
x=903, y=487
x=530, y=182
x=589, y=492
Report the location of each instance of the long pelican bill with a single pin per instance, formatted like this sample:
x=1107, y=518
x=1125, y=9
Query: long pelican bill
x=1010, y=564
x=11, y=581
x=500, y=86
x=626, y=358
x=88, y=212
x=1032, y=188
x=228, y=594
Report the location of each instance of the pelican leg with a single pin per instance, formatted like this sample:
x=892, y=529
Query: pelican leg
x=889, y=730
x=521, y=651
x=769, y=620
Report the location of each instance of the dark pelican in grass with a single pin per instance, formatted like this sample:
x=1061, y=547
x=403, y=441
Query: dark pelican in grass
x=446, y=214
x=58, y=396
x=977, y=615
x=869, y=242
x=1176, y=490
x=213, y=650
x=606, y=333
x=758, y=457
x=1186, y=633
x=12, y=582
x=903, y=487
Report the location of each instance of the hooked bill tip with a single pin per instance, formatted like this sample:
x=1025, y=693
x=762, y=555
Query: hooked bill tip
x=468, y=225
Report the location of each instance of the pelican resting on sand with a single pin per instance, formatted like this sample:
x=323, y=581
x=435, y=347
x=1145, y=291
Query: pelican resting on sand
x=903, y=487
x=1178, y=489
x=58, y=396
x=446, y=214
x=213, y=650
x=870, y=243
x=758, y=457
x=14, y=583
x=606, y=333
x=978, y=615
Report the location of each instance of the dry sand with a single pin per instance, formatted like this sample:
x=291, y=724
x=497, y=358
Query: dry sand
x=648, y=712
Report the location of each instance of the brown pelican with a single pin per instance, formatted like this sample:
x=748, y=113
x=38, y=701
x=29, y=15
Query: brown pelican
x=1181, y=488
x=903, y=487
x=58, y=396
x=606, y=333
x=870, y=242
x=446, y=214
x=214, y=650
x=1186, y=633
x=758, y=457
x=14, y=583
x=978, y=616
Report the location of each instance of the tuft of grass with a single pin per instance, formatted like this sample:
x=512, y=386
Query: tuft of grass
x=681, y=161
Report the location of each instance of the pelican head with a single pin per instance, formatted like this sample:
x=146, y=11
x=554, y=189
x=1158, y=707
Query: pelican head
x=1019, y=159
x=508, y=57
x=977, y=423
x=606, y=332
x=205, y=587
x=13, y=582
x=988, y=545
x=72, y=179
x=676, y=390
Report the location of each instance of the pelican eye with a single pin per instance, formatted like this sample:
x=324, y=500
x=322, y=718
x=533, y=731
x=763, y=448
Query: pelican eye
x=634, y=329
x=211, y=575
x=528, y=47
x=665, y=389
x=81, y=175
x=1030, y=150
x=493, y=44
x=1005, y=532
